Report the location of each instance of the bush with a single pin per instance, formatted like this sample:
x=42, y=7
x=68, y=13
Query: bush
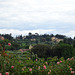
x=42, y=50
x=63, y=50
x=7, y=47
x=1, y=48
x=15, y=46
x=19, y=63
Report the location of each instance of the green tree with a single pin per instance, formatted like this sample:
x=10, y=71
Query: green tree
x=63, y=50
x=42, y=50
x=74, y=44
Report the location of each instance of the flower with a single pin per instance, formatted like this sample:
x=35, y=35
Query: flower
x=38, y=67
x=36, y=59
x=48, y=72
x=72, y=58
x=70, y=69
x=7, y=73
x=19, y=61
x=44, y=66
x=30, y=69
x=46, y=62
x=58, y=62
x=22, y=69
x=12, y=67
x=0, y=73
x=9, y=44
x=72, y=72
x=25, y=67
x=68, y=59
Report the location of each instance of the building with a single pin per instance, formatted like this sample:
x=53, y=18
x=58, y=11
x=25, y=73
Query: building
x=56, y=39
x=30, y=47
x=1, y=38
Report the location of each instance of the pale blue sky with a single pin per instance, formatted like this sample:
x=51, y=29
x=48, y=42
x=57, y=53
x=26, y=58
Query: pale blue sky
x=42, y=16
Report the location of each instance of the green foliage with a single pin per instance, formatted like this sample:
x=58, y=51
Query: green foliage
x=22, y=62
x=60, y=50
x=42, y=50
x=7, y=36
x=7, y=47
x=15, y=46
x=74, y=43
x=63, y=50
x=73, y=52
x=23, y=45
x=1, y=48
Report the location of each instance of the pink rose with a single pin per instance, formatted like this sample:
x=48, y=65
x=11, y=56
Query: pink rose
x=12, y=67
x=72, y=72
x=39, y=68
x=72, y=58
x=30, y=69
x=0, y=73
x=68, y=59
x=19, y=61
x=58, y=62
x=9, y=44
x=7, y=73
x=70, y=69
x=25, y=67
x=46, y=62
x=36, y=59
x=44, y=66
x=48, y=72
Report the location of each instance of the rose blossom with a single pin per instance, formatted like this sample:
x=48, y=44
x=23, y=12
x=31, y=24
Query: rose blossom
x=36, y=59
x=25, y=67
x=12, y=67
x=30, y=69
x=72, y=58
x=44, y=66
x=58, y=62
x=7, y=73
x=38, y=67
x=9, y=44
x=72, y=72
x=70, y=69
x=48, y=72
x=46, y=62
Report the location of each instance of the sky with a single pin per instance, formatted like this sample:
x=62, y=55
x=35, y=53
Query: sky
x=37, y=16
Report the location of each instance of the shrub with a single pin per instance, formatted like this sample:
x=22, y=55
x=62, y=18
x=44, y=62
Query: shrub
x=1, y=48
x=63, y=50
x=42, y=50
x=7, y=47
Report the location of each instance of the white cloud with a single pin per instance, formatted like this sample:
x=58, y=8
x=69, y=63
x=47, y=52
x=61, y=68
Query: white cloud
x=70, y=34
x=40, y=31
x=25, y=32
x=33, y=13
x=38, y=11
